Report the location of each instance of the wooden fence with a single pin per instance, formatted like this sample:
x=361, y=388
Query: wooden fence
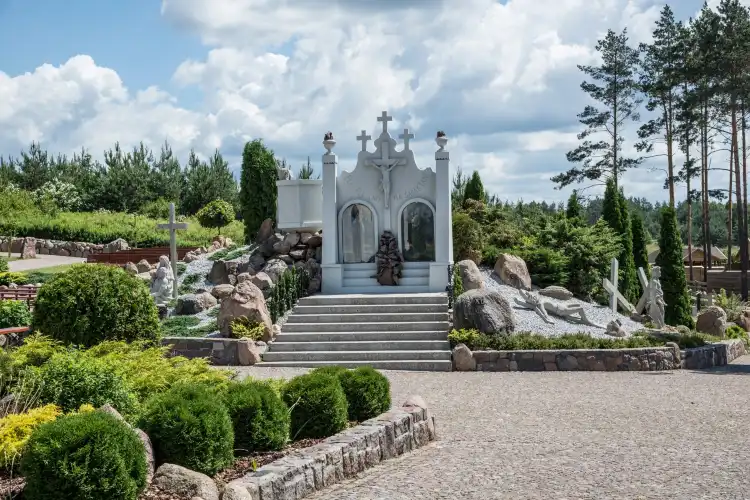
x=136, y=255
x=27, y=293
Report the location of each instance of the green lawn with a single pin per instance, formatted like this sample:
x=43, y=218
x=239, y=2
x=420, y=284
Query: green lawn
x=46, y=273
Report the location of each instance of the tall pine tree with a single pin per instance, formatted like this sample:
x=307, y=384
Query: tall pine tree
x=257, y=187
x=640, y=251
x=673, y=282
x=615, y=88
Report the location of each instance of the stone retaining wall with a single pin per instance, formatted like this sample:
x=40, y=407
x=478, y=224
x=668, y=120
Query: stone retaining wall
x=220, y=351
x=669, y=357
x=339, y=457
x=64, y=248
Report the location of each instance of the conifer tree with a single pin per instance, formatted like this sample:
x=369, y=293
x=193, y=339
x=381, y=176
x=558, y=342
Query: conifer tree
x=640, y=252
x=615, y=214
x=475, y=188
x=673, y=281
x=257, y=187
x=574, y=209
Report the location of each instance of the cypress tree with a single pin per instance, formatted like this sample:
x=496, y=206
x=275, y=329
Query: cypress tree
x=615, y=214
x=257, y=187
x=673, y=281
x=640, y=252
x=574, y=209
x=474, y=188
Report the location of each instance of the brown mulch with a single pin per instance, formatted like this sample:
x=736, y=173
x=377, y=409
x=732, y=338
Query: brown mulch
x=12, y=487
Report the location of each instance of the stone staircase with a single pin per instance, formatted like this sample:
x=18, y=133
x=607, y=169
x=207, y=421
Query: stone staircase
x=385, y=331
x=358, y=279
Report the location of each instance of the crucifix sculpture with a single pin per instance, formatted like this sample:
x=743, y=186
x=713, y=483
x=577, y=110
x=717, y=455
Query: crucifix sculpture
x=385, y=164
x=173, y=226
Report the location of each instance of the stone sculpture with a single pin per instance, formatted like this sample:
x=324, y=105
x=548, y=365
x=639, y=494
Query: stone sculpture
x=283, y=174
x=162, y=285
x=389, y=260
x=655, y=304
x=530, y=300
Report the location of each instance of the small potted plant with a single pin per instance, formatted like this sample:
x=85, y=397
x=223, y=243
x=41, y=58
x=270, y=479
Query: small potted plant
x=328, y=141
x=441, y=139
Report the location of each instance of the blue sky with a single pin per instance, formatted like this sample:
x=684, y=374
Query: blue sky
x=500, y=78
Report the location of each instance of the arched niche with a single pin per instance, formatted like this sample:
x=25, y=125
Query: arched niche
x=416, y=230
x=358, y=232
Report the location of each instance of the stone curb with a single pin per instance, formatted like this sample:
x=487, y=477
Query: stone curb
x=669, y=357
x=339, y=457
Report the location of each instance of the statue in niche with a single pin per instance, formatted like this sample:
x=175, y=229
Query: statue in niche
x=389, y=260
x=530, y=300
x=356, y=233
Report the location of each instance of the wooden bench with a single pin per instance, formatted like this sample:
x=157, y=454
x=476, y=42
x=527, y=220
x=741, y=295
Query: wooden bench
x=26, y=293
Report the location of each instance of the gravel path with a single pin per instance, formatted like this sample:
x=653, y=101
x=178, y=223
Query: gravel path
x=576, y=435
x=529, y=321
x=40, y=262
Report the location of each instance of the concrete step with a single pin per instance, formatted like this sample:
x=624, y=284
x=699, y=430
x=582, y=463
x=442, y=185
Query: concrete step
x=376, y=289
x=380, y=299
x=364, y=327
x=369, y=273
x=359, y=336
x=346, y=345
x=371, y=309
x=357, y=282
x=408, y=365
x=357, y=355
x=383, y=317
x=372, y=265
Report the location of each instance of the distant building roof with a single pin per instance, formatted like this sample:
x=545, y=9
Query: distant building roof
x=716, y=255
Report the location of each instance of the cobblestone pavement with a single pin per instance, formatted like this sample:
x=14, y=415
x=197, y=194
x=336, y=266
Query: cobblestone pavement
x=587, y=435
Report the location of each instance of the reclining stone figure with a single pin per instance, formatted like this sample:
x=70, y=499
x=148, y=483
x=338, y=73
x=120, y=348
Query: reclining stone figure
x=531, y=300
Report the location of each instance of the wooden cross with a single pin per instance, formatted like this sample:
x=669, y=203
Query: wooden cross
x=644, y=283
x=406, y=136
x=385, y=119
x=364, y=138
x=173, y=226
x=614, y=294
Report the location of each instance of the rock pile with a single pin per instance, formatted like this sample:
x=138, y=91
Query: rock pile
x=64, y=248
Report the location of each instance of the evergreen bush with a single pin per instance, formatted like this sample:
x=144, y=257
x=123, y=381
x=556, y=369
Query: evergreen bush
x=90, y=303
x=368, y=393
x=71, y=379
x=14, y=313
x=474, y=188
x=318, y=405
x=216, y=214
x=259, y=416
x=547, y=266
x=257, y=187
x=3, y=265
x=673, y=281
x=467, y=238
x=615, y=214
x=189, y=426
x=640, y=241
x=84, y=456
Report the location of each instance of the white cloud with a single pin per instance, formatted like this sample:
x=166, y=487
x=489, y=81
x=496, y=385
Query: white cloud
x=500, y=78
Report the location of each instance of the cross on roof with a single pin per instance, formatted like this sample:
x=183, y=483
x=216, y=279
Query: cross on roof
x=385, y=119
x=364, y=138
x=406, y=136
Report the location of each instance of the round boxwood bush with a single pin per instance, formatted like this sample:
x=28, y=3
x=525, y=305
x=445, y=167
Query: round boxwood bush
x=90, y=303
x=259, y=416
x=368, y=393
x=84, y=456
x=318, y=405
x=189, y=426
x=72, y=379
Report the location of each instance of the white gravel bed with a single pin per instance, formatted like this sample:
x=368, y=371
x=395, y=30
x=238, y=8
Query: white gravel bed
x=529, y=321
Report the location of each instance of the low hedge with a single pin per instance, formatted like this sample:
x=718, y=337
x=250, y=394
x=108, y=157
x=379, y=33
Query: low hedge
x=523, y=341
x=368, y=392
x=259, y=416
x=84, y=456
x=318, y=405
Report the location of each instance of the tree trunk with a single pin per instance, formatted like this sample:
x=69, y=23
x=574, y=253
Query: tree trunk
x=670, y=161
x=741, y=226
x=689, y=206
x=744, y=196
x=729, y=209
x=707, y=263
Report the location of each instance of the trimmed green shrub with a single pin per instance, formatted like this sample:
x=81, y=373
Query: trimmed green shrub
x=547, y=266
x=71, y=379
x=467, y=238
x=334, y=370
x=673, y=281
x=242, y=328
x=257, y=187
x=84, y=456
x=216, y=215
x=318, y=405
x=90, y=303
x=189, y=426
x=14, y=313
x=736, y=332
x=368, y=393
x=259, y=416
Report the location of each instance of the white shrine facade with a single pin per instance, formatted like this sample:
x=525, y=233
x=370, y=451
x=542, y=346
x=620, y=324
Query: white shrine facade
x=386, y=190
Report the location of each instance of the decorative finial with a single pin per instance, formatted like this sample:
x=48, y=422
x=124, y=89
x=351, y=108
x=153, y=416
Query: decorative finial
x=441, y=140
x=329, y=142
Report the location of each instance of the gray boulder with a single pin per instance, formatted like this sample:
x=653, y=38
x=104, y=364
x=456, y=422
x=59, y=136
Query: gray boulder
x=194, y=303
x=131, y=268
x=556, y=292
x=463, y=359
x=222, y=291
x=513, y=271
x=471, y=278
x=274, y=268
x=143, y=266
x=185, y=482
x=484, y=310
x=712, y=320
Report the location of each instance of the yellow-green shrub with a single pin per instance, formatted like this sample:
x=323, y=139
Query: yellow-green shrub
x=241, y=328
x=15, y=430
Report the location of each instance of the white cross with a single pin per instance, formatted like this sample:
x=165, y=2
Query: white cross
x=364, y=138
x=610, y=285
x=385, y=119
x=173, y=226
x=406, y=136
x=644, y=283
x=613, y=276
